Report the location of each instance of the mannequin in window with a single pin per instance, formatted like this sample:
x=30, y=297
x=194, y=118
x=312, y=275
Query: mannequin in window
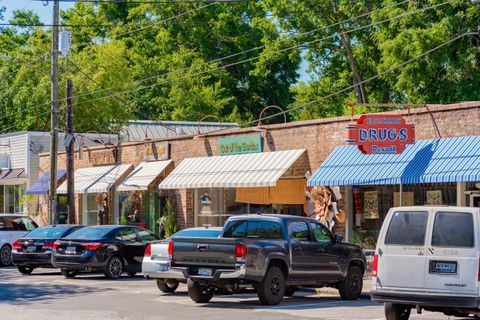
x=206, y=203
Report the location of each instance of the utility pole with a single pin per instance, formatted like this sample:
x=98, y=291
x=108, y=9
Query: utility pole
x=70, y=155
x=54, y=116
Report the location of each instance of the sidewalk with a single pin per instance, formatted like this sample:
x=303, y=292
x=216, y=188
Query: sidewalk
x=367, y=287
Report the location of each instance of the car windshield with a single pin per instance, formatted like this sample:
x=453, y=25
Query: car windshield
x=203, y=233
x=89, y=233
x=47, y=232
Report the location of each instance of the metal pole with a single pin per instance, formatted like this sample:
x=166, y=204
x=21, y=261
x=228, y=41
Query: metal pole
x=401, y=195
x=54, y=116
x=70, y=156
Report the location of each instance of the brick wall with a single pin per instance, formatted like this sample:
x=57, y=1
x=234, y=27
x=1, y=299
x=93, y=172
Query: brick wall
x=318, y=137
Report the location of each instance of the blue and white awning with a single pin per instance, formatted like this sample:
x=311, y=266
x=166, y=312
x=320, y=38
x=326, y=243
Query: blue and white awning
x=42, y=185
x=426, y=161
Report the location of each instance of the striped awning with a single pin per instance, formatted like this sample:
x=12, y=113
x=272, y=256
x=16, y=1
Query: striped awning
x=426, y=161
x=12, y=176
x=143, y=175
x=235, y=171
x=42, y=185
x=96, y=179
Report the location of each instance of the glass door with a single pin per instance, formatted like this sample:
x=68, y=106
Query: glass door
x=90, y=209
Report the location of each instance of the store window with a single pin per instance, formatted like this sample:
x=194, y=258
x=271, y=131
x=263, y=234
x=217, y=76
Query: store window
x=12, y=198
x=90, y=209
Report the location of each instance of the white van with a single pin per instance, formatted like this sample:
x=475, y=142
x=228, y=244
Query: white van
x=12, y=227
x=427, y=258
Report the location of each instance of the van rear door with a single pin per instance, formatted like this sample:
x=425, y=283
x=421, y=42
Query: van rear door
x=401, y=251
x=452, y=257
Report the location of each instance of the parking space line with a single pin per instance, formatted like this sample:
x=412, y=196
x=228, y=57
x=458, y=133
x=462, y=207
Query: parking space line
x=319, y=304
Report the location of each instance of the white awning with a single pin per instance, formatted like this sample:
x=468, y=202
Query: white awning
x=143, y=175
x=96, y=179
x=236, y=171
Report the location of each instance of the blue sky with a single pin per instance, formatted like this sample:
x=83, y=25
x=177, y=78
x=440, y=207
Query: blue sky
x=45, y=13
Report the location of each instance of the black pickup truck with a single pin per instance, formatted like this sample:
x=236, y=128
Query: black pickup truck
x=272, y=254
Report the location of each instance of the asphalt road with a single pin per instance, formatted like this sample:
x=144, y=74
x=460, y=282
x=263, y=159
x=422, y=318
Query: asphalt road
x=46, y=295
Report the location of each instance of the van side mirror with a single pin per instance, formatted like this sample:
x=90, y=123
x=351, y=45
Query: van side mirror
x=338, y=238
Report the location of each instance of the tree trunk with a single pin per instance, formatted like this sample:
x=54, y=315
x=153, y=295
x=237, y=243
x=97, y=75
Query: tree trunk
x=357, y=78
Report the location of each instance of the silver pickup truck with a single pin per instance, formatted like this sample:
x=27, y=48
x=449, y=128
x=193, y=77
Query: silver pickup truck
x=272, y=254
x=156, y=262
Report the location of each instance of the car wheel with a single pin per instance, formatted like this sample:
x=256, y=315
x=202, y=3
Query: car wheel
x=167, y=285
x=351, y=287
x=25, y=270
x=271, y=289
x=395, y=311
x=6, y=255
x=290, y=291
x=114, y=268
x=198, y=293
x=69, y=274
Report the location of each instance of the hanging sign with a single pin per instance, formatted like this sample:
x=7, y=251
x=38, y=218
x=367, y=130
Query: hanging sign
x=381, y=134
x=240, y=145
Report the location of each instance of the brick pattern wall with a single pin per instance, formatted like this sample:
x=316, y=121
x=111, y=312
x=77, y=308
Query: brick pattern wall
x=318, y=137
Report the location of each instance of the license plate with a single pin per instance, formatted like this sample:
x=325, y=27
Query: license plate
x=31, y=249
x=205, y=272
x=71, y=249
x=444, y=267
x=162, y=267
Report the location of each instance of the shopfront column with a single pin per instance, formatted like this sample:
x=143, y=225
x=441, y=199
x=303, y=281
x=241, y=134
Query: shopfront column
x=461, y=196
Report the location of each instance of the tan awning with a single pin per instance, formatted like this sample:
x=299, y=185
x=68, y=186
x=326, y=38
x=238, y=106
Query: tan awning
x=235, y=171
x=97, y=179
x=143, y=175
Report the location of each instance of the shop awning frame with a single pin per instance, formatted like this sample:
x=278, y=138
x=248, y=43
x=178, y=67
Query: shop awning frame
x=42, y=185
x=97, y=179
x=12, y=176
x=427, y=161
x=143, y=175
x=234, y=171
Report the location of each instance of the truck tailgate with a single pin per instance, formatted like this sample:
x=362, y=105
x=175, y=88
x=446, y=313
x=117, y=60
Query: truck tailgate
x=208, y=252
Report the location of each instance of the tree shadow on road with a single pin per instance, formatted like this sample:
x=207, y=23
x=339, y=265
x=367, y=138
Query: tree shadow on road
x=29, y=292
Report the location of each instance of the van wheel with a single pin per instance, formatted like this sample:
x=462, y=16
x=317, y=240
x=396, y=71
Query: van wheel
x=395, y=311
x=351, y=287
x=167, y=285
x=271, y=289
x=69, y=274
x=25, y=270
x=6, y=255
x=198, y=293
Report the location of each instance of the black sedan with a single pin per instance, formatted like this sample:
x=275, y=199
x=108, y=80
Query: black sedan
x=34, y=250
x=105, y=248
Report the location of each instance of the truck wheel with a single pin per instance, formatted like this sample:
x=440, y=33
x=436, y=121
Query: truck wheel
x=271, y=289
x=198, y=293
x=167, y=285
x=351, y=287
x=290, y=291
x=68, y=273
x=25, y=270
x=395, y=311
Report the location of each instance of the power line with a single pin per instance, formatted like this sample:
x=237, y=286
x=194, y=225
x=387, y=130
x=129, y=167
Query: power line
x=260, y=56
x=151, y=1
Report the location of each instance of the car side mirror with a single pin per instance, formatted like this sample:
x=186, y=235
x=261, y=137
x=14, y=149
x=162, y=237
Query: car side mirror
x=338, y=238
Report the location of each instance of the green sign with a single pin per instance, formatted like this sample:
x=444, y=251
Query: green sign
x=240, y=145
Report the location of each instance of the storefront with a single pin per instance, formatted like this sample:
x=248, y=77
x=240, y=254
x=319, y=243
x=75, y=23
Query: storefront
x=139, y=195
x=98, y=201
x=430, y=172
x=227, y=185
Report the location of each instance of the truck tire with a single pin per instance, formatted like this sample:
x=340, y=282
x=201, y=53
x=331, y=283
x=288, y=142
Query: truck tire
x=351, y=287
x=25, y=269
x=167, y=285
x=271, y=289
x=395, y=311
x=198, y=293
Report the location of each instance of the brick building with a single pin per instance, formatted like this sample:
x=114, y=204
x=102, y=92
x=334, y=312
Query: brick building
x=318, y=138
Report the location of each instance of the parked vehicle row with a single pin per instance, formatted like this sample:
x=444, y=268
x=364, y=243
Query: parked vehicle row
x=12, y=227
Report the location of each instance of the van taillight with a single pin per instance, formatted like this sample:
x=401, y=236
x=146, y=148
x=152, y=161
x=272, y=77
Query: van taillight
x=375, y=265
x=170, y=250
x=240, y=252
x=148, y=250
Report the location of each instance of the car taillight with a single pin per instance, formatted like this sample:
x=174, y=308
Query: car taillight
x=56, y=244
x=16, y=244
x=148, y=250
x=91, y=246
x=375, y=265
x=170, y=250
x=240, y=252
x=48, y=245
